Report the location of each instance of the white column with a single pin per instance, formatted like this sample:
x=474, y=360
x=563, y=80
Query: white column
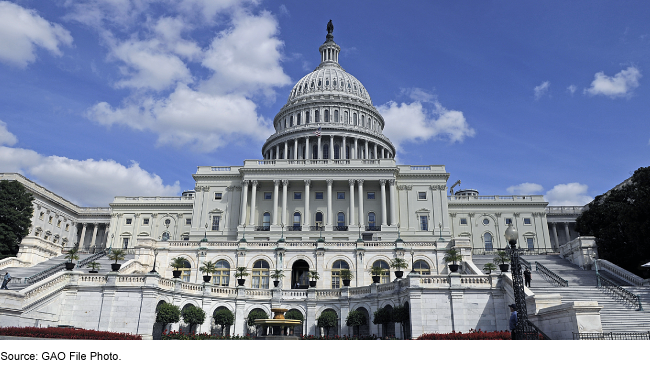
x=383, y=152
x=351, y=215
x=253, y=201
x=329, y=201
x=382, y=184
x=343, y=156
x=553, y=225
x=96, y=226
x=375, y=152
x=356, y=155
x=331, y=147
x=285, y=184
x=320, y=152
x=306, y=218
x=295, y=149
x=83, y=235
x=367, y=156
x=244, y=202
x=566, y=232
x=393, y=203
x=277, y=151
x=362, y=219
x=286, y=150
x=307, y=149
x=276, y=183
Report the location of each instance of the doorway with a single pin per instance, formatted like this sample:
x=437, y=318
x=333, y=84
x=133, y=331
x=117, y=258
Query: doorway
x=300, y=275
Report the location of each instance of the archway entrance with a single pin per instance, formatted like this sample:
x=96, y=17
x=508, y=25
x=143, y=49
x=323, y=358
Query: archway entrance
x=300, y=275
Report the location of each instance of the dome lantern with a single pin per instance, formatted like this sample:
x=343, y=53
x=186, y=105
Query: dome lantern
x=329, y=51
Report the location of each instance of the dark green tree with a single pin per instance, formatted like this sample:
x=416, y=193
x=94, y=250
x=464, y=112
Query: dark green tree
x=294, y=314
x=400, y=314
x=356, y=319
x=620, y=221
x=223, y=317
x=193, y=316
x=327, y=320
x=167, y=313
x=383, y=317
x=16, y=212
x=256, y=313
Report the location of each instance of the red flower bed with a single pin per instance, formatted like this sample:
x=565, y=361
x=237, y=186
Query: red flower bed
x=68, y=333
x=179, y=335
x=471, y=335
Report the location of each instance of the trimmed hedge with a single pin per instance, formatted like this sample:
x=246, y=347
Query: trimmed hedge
x=180, y=335
x=345, y=337
x=471, y=335
x=68, y=333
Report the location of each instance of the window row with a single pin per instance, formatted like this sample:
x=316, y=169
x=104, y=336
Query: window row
x=489, y=246
x=318, y=219
x=356, y=120
x=486, y=221
x=146, y=221
x=339, y=153
x=50, y=218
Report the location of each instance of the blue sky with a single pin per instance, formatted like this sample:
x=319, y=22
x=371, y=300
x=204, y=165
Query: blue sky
x=100, y=98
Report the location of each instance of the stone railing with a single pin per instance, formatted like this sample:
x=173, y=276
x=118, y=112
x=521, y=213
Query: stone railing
x=166, y=283
x=294, y=293
x=133, y=266
x=262, y=244
x=364, y=290
x=44, y=288
x=324, y=293
x=385, y=287
x=92, y=279
x=340, y=244
x=223, y=291
x=530, y=198
x=434, y=281
x=378, y=244
x=621, y=273
x=420, y=244
x=565, y=210
x=221, y=244
x=130, y=280
x=191, y=287
x=122, y=199
x=475, y=281
x=182, y=243
x=300, y=244
x=580, y=251
x=258, y=293
x=12, y=262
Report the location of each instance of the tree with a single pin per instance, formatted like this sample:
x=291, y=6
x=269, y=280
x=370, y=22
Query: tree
x=167, y=313
x=327, y=320
x=294, y=314
x=193, y=316
x=356, y=319
x=16, y=212
x=255, y=314
x=400, y=314
x=383, y=317
x=223, y=317
x=620, y=221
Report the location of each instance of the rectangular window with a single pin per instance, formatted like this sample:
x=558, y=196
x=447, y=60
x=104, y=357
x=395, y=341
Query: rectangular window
x=422, y=195
x=217, y=196
x=50, y=220
x=215, y=222
x=58, y=224
x=129, y=221
x=340, y=195
x=297, y=196
x=371, y=195
x=319, y=195
x=463, y=221
x=508, y=221
x=188, y=221
x=145, y=221
x=125, y=242
x=268, y=195
x=186, y=238
x=67, y=227
x=531, y=243
x=526, y=220
x=424, y=223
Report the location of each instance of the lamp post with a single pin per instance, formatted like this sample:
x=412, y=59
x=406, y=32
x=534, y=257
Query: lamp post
x=399, y=235
x=359, y=239
x=155, y=256
x=243, y=238
x=522, y=329
x=205, y=235
x=282, y=236
x=441, y=239
x=412, y=251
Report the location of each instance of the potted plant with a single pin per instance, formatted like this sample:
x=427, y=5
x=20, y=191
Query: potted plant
x=277, y=275
x=313, y=275
x=453, y=255
x=94, y=267
x=489, y=267
x=376, y=273
x=240, y=275
x=501, y=258
x=207, y=269
x=177, y=263
x=346, y=276
x=398, y=264
x=116, y=255
x=72, y=254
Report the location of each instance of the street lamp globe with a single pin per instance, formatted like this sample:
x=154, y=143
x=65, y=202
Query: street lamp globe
x=511, y=233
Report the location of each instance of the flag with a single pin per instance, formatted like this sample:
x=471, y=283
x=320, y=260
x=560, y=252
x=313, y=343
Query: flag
x=317, y=132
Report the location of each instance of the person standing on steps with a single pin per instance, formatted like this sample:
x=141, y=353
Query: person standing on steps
x=527, y=277
x=512, y=324
x=7, y=279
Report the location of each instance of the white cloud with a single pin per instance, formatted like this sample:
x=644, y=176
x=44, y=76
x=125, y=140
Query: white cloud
x=568, y=194
x=187, y=117
x=525, y=189
x=542, y=89
x=418, y=94
x=571, y=89
x=621, y=85
x=6, y=138
x=412, y=122
x=22, y=30
x=87, y=182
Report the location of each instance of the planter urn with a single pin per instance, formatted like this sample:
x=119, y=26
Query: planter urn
x=176, y=274
x=504, y=267
x=453, y=267
x=69, y=265
x=116, y=267
x=276, y=283
x=93, y=271
x=376, y=278
x=346, y=282
x=312, y=283
x=206, y=278
x=241, y=282
x=399, y=274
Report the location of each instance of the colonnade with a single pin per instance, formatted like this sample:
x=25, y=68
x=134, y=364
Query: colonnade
x=567, y=233
x=327, y=148
x=278, y=210
x=97, y=239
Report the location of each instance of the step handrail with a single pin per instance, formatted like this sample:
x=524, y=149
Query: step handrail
x=548, y=274
x=619, y=291
x=59, y=267
x=91, y=258
x=525, y=262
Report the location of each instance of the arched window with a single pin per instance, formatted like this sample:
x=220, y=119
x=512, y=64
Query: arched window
x=320, y=82
x=165, y=236
x=487, y=238
x=337, y=152
x=314, y=152
x=327, y=82
x=298, y=119
x=186, y=270
x=296, y=220
x=385, y=277
x=336, y=272
x=363, y=119
x=285, y=123
x=334, y=83
x=319, y=219
x=260, y=275
x=266, y=221
x=371, y=220
x=421, y=267
x=326, y=151
x=354, y=118
x=336, y=116
x=347, y=152
x=327, y=116
x=312, y=84
x=306, y=117
x=221, y=277
x=316, y=116
x=345, y=117
x=340, y=219
x=291, y=121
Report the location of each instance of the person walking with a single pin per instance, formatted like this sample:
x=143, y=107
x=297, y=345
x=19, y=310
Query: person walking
x=527, y=277
x=512, y=324
x=7, y=279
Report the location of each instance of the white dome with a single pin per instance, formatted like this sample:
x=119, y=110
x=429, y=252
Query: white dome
x=329, y=78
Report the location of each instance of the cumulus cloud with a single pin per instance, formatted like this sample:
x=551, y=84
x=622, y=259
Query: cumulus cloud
x=6, y=138
x=87, y=182
x=542, y=89
x=525, y=189
x=22, y=30
x=571, y=89
x=568, y=194
x=413, y=122
x=621, y=85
